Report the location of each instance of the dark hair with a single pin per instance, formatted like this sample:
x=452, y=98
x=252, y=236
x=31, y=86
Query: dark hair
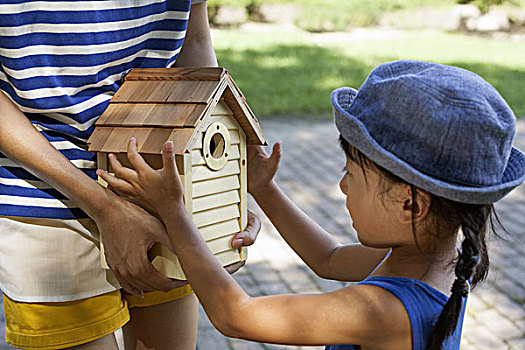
x=472, y=264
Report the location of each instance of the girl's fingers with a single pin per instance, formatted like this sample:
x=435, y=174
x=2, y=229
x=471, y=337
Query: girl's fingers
x=275, y=157
x=168, y=157
x=135, y=158
x=121, y=171
x=120, y=186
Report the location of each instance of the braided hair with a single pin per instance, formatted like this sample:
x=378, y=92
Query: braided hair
x=472, y=265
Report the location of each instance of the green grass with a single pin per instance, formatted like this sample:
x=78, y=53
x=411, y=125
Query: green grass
x=293, y=72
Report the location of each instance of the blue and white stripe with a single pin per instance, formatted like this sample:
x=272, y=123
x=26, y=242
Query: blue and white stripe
x=60, y=63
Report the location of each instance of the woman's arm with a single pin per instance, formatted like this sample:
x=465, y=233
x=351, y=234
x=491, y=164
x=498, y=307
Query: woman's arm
x=127, y=230
x=316, y=247
x=197, y=50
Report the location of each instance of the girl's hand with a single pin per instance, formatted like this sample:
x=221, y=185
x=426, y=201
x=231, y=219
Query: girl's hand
x=261, y=167
x=156, y=190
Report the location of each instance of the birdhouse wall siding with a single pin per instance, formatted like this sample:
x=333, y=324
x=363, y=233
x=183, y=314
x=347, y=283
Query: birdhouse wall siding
x=218, y=198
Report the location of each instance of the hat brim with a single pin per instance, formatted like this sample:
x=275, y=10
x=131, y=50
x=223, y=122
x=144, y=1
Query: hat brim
x=357, y=135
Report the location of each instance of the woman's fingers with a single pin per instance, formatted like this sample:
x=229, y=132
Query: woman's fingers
x=248, y=236
x=122, y=187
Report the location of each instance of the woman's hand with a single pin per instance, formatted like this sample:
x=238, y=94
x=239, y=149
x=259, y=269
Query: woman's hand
x=261, y=167
x=156, y=190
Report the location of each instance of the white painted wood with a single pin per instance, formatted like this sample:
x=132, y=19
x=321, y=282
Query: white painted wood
x=228, y=257
x=234, y=139
x=201, y=173
x=102, y=163
x=221, y=184
x=168, y=264
x=197, y=159
x=243, y=205
x=212, y=216
x=228, y=121
x=220, y=244
x=221, y=109
x=186, y=180
x=224, y=228
x=215, y=200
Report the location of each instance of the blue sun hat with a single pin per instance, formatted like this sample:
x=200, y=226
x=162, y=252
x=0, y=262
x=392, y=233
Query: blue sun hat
x=441, y=128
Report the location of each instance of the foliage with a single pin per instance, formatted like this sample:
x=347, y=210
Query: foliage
x=294, y=72
x=483, y=5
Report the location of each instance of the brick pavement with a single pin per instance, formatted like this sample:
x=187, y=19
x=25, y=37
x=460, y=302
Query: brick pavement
x=310, y=170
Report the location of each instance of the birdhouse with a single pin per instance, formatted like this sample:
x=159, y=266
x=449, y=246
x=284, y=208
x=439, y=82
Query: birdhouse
x=206, y=116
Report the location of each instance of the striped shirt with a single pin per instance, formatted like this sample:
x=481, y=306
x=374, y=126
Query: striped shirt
x=60, y=63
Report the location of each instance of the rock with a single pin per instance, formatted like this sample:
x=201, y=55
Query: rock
x=279, y=13
x=459, y=16
x=495, y=20
x=229, y=16
x=517, y=17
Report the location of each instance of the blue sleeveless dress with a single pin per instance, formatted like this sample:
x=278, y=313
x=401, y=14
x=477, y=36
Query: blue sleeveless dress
x=423, y=304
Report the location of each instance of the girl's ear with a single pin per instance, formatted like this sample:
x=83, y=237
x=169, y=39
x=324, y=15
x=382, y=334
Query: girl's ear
x=415, y=206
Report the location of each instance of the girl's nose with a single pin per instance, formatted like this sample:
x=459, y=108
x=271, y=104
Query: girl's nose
x=343, y=185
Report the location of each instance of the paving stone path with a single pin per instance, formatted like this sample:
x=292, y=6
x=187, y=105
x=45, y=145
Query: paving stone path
x=310, y=170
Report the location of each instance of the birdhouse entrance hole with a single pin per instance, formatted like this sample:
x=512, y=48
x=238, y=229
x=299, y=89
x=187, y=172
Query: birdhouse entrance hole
x=216, y=146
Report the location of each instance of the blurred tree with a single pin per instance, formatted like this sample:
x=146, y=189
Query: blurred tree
x=483, y=5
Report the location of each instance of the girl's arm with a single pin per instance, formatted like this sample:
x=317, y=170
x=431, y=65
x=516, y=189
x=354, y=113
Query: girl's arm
x=352, y=315
x=127, y=230
x=318, y=249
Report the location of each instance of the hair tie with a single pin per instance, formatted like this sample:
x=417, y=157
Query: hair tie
x=460, y=287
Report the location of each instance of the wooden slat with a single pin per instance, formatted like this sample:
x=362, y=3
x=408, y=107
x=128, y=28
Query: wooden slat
x=191, y=73
x=212, y=216
x=172, y=115
x=221, y=109
x=243, y=205
x=244, y=116
x=220, y=244
x=134, y=91
x=168, y=263
x=128, y=114
x=153, y=143
x=186, y=182
x=198, y=159
x=117, y=140
x=219, y=230
x=153, y=160
x=229, y=257
x=215, y=200
x=229, y=121
x=200, y=173
x=98, y=138
x=102, y=163
x=222, y=184
x=160, y=91
x=192, y=91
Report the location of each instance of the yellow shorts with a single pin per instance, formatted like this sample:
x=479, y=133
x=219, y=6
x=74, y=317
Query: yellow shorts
x=66, y=324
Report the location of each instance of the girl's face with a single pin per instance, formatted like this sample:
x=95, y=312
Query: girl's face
x=372, y=212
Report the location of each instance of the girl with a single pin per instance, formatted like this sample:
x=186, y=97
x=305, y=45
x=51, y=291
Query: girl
x=428, y=151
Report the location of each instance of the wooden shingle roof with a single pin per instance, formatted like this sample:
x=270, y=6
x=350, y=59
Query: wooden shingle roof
x=157, y=105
